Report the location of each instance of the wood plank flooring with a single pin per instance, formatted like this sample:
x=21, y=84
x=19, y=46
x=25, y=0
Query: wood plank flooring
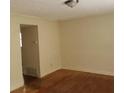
x=68, y=81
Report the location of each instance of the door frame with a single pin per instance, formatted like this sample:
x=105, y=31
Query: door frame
x=39, y=72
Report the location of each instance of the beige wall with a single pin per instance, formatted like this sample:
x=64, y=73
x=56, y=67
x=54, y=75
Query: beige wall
x=16, y=79
x=87, y=44
x=50, y=59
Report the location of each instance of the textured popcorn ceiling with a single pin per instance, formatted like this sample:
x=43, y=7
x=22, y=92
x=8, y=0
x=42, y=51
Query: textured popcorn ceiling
x=56, y=10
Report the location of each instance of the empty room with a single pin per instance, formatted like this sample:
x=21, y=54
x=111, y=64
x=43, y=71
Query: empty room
x=62, y=46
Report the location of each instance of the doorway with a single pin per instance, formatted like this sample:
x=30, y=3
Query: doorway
x=30, y=52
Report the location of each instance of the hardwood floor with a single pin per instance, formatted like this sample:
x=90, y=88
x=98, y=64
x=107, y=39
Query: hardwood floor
x=68, y=81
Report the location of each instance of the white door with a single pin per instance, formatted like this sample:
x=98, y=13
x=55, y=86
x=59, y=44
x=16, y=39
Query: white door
x=30, y=50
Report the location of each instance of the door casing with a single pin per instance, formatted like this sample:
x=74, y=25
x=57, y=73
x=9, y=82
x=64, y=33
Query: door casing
x=31, y=50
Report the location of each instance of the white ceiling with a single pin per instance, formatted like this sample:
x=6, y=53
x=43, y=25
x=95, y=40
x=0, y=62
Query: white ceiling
x=56, y=10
